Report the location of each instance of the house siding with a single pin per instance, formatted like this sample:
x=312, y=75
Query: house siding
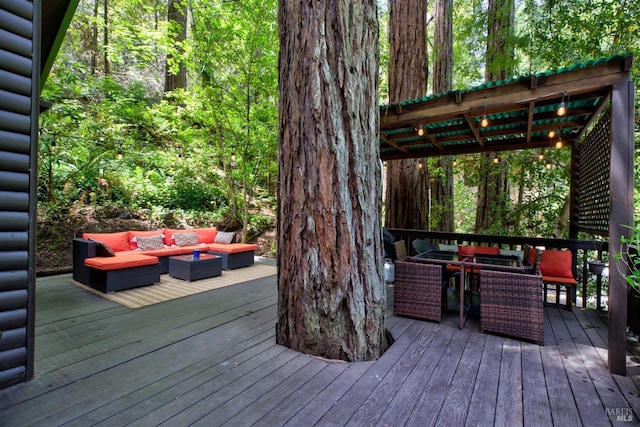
x=19, y=110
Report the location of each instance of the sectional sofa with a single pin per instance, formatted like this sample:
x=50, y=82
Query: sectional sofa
x=116, y=261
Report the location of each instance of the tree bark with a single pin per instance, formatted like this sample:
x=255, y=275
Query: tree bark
x=331, y=293
x=493, y=192
x=177, y=20
x=442, y=206
x=407, y=186
x=105, y=47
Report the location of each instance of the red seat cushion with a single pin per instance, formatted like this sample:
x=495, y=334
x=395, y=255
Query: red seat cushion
x=232, y=248
x=560, y=280
x=116, y=241
x=556, y=263
x=120, y=262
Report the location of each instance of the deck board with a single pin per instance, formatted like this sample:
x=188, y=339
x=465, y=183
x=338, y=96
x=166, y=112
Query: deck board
x=211, y=359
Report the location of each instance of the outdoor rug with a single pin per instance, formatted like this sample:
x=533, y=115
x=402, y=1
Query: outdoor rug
x=170, y=288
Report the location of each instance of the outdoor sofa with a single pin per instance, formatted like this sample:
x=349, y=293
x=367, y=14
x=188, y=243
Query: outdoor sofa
x=122, y=260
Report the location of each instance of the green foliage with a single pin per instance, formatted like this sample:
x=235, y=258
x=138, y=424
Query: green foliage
x=630, y=255
x=116, y=139
x=209, y=152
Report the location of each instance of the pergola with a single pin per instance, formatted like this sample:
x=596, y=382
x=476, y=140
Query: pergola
x=598, y=127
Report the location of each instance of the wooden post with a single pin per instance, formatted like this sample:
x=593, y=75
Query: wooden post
x=620, y=215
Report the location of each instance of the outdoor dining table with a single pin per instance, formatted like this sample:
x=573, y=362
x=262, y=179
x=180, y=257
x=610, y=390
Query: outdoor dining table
x=472, y=264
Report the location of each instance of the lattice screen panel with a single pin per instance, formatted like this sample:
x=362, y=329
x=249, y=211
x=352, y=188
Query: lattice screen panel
x=593, y=193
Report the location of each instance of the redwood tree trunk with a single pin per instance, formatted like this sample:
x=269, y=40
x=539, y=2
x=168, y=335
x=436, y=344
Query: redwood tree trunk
x=177, y=18
x=331, y=294
x=407, y=195
x=442, y=207
x=493, y=192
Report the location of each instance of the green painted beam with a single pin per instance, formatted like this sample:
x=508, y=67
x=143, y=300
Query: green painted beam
x=56, y=17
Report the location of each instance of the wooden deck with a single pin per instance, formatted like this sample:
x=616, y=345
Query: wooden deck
x=211, y=359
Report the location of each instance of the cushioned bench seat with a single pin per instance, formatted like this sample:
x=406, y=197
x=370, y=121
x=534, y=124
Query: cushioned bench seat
x=234, y=255
x=110, y=274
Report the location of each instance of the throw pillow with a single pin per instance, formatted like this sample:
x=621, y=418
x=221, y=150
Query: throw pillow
x=186, y=239
x=102, y=249
x=150, y=243
x=133, y=237
x=466, y=251
x=225, y=237
x=556, y=263
x=486, y=250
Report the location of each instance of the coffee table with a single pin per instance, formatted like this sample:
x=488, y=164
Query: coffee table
x=185, y=267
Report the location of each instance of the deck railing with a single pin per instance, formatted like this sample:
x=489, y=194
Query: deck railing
x=584, y=252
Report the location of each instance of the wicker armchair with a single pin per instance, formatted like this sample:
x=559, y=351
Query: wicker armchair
x=511, y=304
x=417, y=290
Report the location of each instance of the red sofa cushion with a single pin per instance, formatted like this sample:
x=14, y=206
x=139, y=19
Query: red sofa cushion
x=116, y=241
x=206, y=235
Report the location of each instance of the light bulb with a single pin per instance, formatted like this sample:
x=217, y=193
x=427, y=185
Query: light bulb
x=548, y=165
x=496, y=160
x=552, y=133
x=559, y=143
x=420, y=131
x=484, y=122
x=562, y=109
x=541, y=156
x=119, y=156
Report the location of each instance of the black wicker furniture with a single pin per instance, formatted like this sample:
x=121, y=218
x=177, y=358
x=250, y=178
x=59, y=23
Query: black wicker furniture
x=186, y=267
x=110, y=274
x=511, y=304
x=417, y=290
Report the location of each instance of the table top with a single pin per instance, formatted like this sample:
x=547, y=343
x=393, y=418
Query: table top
x=189, y=257
x=494, y=262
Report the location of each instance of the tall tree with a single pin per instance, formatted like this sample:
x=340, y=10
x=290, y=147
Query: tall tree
x=407, y=192
x=493, y=191
x=331, y=295
x=176, y=71
x=442, y=206
x=105, y=47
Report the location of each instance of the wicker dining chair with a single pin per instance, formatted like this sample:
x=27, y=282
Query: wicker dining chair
x=511, y=304
x=417, y=291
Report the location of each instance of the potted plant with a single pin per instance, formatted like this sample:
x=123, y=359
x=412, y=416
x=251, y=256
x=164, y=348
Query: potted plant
x=630, y=256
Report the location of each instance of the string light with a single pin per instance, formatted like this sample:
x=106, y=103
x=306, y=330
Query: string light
x=485, y=121
x=420, y=165
x=559, y=143
x=119, y=156
x=420, y=130
x=541, y=156
x=562, y=108
x=552, y=133
x=233, y=157
x=548, y=165
x=496, y=160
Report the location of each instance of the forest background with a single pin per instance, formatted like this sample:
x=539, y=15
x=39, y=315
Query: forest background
x=166, y=113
